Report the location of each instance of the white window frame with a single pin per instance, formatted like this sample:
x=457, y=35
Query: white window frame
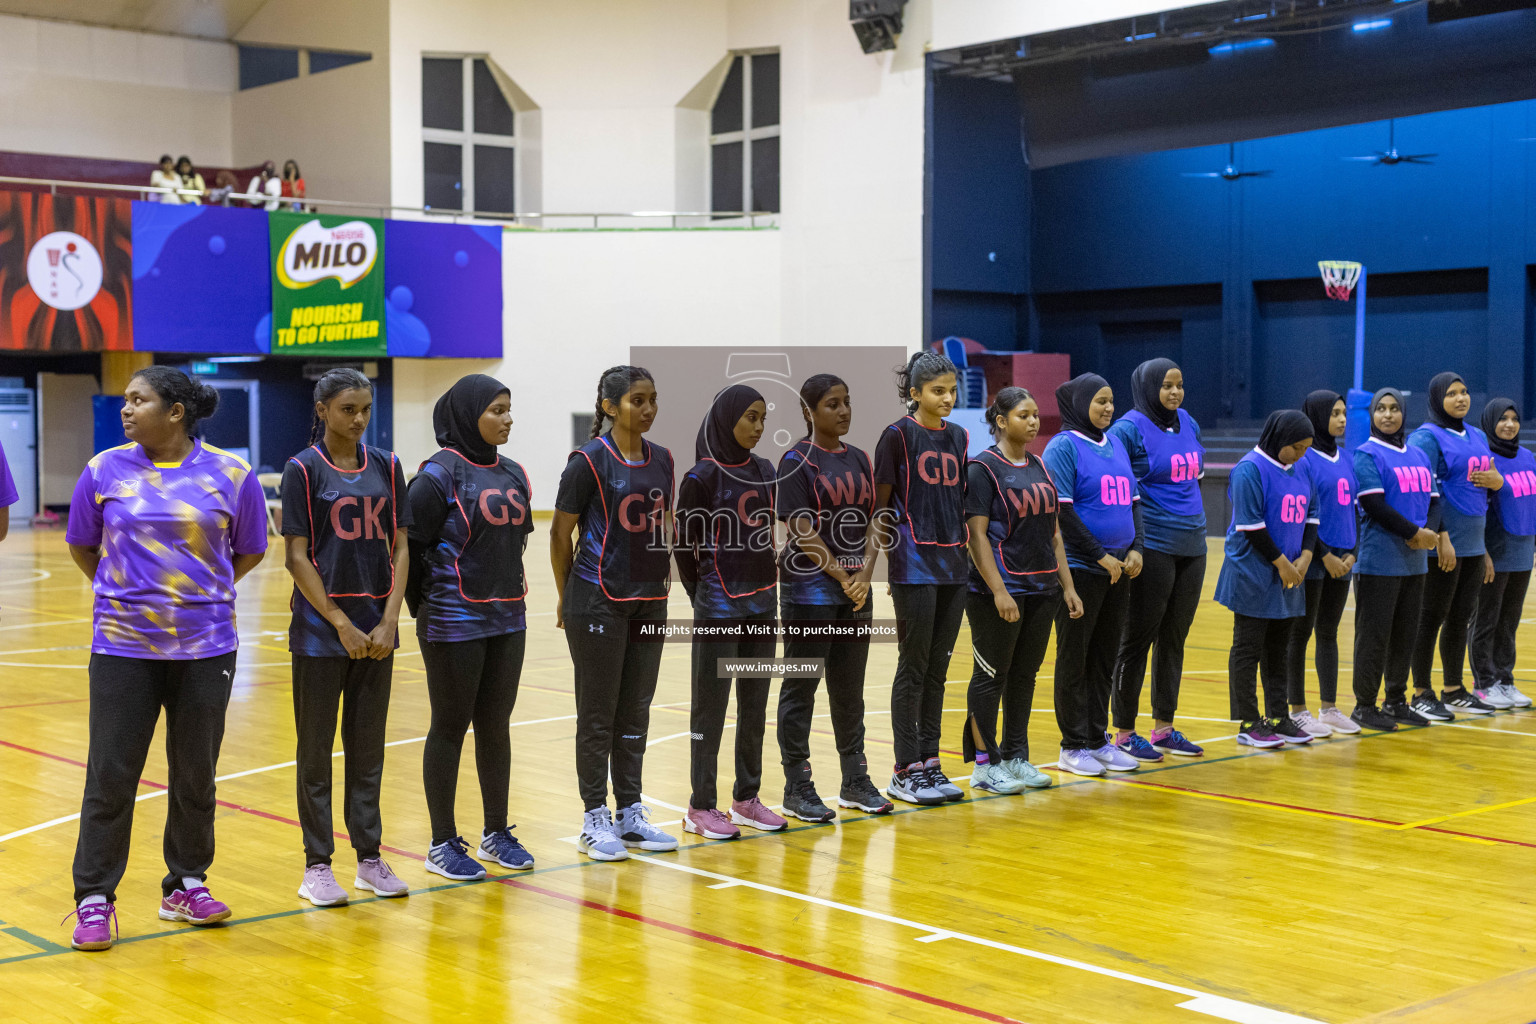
x=468, y=138
x=747, y=135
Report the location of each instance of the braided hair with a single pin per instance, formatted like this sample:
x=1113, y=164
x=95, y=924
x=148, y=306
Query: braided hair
x=613, y=385
x=923, y=367
x=332, y=383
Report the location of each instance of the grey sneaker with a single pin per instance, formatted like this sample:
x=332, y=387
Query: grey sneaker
x=598, y=837
x=320, y=888
x=939, y=781
x=994, y=778
x=910, y=784
x=637, y=832
x=1032, y=777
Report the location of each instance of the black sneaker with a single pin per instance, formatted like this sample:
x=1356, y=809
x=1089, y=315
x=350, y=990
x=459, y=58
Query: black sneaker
x=1401, y=713
x=1369, y=716
x=1289, y=731
x=801, y=801
x=860, y=793
x=1466, y=701
x=1426, y=706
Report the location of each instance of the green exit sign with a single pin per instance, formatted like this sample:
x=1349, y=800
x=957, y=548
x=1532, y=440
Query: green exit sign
x=206, y=369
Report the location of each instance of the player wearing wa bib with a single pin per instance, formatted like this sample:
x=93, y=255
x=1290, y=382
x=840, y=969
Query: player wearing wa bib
x=1511, y=541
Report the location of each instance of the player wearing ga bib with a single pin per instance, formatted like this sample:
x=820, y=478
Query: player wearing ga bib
x=1511, y=539
x=836, y=488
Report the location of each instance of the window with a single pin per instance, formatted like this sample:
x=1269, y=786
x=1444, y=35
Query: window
x=744, y=137
x=469, y=136
x=264, y=65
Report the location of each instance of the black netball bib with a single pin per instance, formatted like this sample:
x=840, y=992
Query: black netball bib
x=488, y=518
x=624, y=545
x=932, y=495
x=352, y=520
x=1021, y=529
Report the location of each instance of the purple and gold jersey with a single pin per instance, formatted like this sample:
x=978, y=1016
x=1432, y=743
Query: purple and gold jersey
x=165, y=588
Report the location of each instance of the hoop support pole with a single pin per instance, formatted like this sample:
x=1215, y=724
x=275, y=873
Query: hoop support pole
x=1360, y=331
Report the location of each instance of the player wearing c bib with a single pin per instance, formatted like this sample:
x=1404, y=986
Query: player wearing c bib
x=1268, y=549
x=1511, y=539
x=344, y=523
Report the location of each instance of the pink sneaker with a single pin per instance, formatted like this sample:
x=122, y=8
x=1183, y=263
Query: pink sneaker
x=94, y=925
x=710, y=824
x=375, y=876
x=194, y=906
x=753, y=813
x=320, y=887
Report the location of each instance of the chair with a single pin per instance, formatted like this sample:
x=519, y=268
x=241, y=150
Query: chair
x=972, y=379
x=271, y=483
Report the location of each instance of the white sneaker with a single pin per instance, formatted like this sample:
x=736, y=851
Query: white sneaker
x=1515, y=697
x=1494, y=697
x=1338, y=721
x=1309, y=725
x=1079, y=762
x=1115, y=759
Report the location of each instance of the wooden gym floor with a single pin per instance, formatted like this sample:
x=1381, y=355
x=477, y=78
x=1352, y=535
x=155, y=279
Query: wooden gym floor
x=1382, y=878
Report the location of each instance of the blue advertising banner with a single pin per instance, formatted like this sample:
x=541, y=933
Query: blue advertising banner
x=200, y=279
x=442, y=289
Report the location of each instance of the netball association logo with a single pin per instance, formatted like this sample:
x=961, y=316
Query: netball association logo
x=64, y=270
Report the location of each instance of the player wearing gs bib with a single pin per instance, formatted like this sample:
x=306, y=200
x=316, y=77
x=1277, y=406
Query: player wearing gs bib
x=1100, y=525
x=1333, y=560
x=826, y=496
x=920, y=499
x=1400, y=511
x=1511, y=540
x=1168, y=459
x=616, y=497
x=1018, y=577
x=726, y=560
x=1464, y=474
x=1268, y=550
x=470, y=521
x=344, y=523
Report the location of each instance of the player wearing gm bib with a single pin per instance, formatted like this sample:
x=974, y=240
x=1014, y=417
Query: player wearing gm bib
x=1268, y=549
x=1464, y=474
x=471, y=517
x=1101, y=532
x=1333, y=560
x=1168, y=459
x=1511, y=539
x=920, y=494
x=344, y=523
x=616, y=495
x=726, y=559
x=1398, y=500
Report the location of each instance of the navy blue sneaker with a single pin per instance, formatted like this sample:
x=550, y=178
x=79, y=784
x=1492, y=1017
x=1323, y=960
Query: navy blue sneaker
x=1139, y=748
x=500, y=847
x=1175, y=743
x=452, y=860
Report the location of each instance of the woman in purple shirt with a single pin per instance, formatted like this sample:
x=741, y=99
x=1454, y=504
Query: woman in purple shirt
x=163, y=526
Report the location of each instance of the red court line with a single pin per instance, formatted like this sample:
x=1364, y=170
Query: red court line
x=719, y=940
x=1474, y=835
x=1256, y=800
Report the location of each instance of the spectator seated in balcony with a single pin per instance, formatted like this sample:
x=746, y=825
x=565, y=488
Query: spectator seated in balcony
x=266, y=183
x=165, y=176
x=223, y=185
x=190, y=179
x=293, y=184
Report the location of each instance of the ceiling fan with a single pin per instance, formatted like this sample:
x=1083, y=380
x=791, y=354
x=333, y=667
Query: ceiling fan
x=1391, y=156
x=1229, y=172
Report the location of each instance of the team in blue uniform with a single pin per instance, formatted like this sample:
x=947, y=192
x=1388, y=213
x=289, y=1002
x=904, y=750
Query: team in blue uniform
x=1511, y=545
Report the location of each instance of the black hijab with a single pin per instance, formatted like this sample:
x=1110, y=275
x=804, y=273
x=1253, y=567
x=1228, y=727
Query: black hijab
x=1439, y=384
x=456, y=417
x=1283, y=428
x=717, y=434
x=1318, y=408
x=1074, y=398
x=1395, y=440
x=1146, y=392
x=1492, y=413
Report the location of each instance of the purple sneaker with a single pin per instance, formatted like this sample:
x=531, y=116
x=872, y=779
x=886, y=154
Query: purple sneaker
x=755, y=814
x=194, y=906
x=709, y=823
x=375, y=876
x=320, y=887
x=94, y=925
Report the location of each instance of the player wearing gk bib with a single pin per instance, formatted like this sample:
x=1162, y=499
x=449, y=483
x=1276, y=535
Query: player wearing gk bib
x=344, y=523
x=1511, y=540
x=163, y=527
x=920, y=500
x=1333, y=559
x=826, y=496
x=1398, y=502
x=1464, y=475
x=1100, y=524
x=1268, y=550
x=470, y=521
x=1163, y=442
x=616, y=496
x=1018, y=577
x=726, y=560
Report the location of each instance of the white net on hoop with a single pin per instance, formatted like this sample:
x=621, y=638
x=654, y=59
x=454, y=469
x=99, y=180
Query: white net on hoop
x=1339, y=277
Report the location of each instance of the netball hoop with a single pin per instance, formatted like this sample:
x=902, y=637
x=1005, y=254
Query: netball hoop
x=1343, y=279
x=1339, y=277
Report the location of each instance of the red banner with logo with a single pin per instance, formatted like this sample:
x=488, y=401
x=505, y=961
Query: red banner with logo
x=66, y=273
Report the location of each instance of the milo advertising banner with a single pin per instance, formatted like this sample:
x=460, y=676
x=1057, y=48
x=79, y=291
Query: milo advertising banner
x=327, y=285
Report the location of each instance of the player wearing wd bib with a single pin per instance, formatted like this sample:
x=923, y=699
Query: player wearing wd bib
x=616, y=493
x=344, y=521
x=471, y=515
x=1101, y=534
x=726, y=559
x=1511, y=540
x=1398, y=500
x=1168, y=459
x=1333, y=559
x=1464, y=474
x=1268, y=548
